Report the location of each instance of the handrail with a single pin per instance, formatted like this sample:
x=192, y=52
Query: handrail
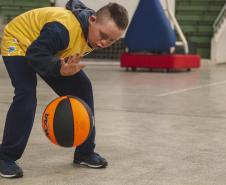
x=220, y=18
x=177, y=27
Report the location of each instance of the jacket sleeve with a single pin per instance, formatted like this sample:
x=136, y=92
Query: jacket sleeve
x=53, y=38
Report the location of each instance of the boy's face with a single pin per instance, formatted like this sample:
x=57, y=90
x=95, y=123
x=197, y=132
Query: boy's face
x=103, y=33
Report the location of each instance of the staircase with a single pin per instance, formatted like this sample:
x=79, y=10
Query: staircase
x=12, y=8
x=196, y=18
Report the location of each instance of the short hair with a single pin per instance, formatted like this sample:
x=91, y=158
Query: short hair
x=117, y=12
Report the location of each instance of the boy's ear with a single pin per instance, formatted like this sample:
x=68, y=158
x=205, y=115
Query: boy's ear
x=92, y=19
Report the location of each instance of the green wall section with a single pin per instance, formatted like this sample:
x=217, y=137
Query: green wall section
x=196, y=18
x=12, y=8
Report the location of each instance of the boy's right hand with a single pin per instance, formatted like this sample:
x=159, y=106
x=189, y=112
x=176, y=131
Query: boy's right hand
x=71, y=65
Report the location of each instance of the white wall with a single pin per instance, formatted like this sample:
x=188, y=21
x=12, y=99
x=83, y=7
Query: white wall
x=218, y=45
x=129, y=4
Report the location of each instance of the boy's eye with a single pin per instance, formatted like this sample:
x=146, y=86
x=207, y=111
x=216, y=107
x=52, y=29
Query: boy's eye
x=103, y=35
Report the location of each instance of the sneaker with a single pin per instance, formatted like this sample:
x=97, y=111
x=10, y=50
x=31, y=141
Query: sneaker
x=93, y=160
x=9, y=169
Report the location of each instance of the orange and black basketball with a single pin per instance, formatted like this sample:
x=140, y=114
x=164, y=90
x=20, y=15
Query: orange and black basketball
x=67, y=121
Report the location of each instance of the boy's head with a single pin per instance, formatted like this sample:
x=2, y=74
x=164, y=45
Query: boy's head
x=107, y=25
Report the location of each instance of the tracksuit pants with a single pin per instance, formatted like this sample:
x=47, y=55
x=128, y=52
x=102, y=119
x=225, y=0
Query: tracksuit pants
x=21, y=114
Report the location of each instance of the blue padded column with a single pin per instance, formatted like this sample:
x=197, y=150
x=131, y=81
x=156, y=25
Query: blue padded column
x=150, y=30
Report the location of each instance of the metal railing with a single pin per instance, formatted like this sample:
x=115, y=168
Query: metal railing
x=172, y=17
x=220, y=19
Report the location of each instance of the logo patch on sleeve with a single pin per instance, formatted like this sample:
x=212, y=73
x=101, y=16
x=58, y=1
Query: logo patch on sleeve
x=11, y=49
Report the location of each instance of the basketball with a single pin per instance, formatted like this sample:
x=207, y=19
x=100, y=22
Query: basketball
x=67, y=121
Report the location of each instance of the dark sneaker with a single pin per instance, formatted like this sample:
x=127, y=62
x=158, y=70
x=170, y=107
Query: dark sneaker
x=93, y=160
x=9, y=169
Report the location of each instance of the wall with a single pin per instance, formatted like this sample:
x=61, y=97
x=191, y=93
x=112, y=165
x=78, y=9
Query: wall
x=129, y=4
x=218, y=45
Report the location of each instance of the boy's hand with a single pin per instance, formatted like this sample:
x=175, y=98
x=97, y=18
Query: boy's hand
x=71, y=65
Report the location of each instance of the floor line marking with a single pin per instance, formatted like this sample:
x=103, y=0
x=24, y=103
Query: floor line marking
x=192, y=88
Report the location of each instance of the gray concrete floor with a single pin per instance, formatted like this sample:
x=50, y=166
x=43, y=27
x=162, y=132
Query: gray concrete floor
x=154, y=128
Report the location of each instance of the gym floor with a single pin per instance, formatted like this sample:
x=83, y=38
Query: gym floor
x=154, y=128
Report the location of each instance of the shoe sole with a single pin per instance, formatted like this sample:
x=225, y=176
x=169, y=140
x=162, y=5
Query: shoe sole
x=11, y=176
x=90, y=165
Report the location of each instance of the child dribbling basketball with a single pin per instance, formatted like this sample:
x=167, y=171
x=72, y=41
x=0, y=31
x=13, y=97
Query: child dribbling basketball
x=50, y=42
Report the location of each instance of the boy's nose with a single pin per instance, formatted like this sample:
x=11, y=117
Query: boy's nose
x=102, y=44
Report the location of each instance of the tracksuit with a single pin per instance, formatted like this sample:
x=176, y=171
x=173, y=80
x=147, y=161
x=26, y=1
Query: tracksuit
x=33, y=43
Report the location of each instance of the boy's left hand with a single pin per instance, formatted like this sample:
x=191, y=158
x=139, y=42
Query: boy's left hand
x=71, y=65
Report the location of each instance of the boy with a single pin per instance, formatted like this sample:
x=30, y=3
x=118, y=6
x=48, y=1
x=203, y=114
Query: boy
x=51, y=41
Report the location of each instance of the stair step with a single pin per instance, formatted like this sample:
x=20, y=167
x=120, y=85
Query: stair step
x=11, y=9
x=204, y=52
x=200, y=40
x=200, y=34
x=203, y=3
x=202, y=8
x=202, y=45
x=197, y=28
x=199, y=22
x=22, y=1
x=202, y=13
x=195, y=18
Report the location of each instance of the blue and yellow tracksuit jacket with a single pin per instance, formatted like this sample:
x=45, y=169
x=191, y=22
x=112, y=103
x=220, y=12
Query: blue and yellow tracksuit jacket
x=45, y=35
